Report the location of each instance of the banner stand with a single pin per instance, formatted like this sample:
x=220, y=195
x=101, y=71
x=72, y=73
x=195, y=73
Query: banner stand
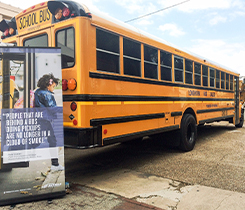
x=32, y=138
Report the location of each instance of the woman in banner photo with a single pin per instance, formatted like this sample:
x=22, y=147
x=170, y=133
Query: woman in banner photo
x=44, y=97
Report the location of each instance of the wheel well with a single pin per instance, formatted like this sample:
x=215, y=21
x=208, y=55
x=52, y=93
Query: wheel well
x=190, y=111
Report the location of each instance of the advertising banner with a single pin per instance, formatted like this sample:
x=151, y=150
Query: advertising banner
x=32, y=139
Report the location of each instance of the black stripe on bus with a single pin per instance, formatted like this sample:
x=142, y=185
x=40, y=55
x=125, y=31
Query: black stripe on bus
x=146, y=81
x=214, y=110
x=175, y=114
x=131, y=136
x=88, y=97
x=215, y=119
x=112, y=120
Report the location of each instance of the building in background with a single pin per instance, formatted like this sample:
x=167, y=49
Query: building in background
x=7, y=12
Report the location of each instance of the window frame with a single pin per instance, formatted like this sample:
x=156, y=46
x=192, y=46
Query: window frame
x=204, y=75
x=147, y=62
x=29, y=38
x=56, y=44
x=217, y=80
x=231, y=82
x=227, y=82
x=163, y=66
x=189, y=72
x=222, y=81
x=212, y=77
x=129, y=57
x=196, y=74
x=178, y=69
x=108, y=52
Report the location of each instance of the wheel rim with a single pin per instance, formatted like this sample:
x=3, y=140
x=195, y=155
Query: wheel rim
x=190, y=133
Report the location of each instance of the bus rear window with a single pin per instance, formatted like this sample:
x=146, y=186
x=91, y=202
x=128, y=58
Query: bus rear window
x=37, y=41
x=65, y=39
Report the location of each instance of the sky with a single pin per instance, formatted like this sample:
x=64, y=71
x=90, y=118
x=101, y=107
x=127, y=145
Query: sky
x=214, y=29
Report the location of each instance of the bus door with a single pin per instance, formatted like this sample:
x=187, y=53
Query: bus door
x=237, y=101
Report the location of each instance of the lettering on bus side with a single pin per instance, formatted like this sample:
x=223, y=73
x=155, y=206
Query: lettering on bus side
x=212, y=94
x=224, y=113
x=34, y=18
x=211, y=105
x=193, y=93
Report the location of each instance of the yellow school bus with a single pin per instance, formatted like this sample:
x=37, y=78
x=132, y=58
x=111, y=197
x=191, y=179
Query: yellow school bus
x=120, y=83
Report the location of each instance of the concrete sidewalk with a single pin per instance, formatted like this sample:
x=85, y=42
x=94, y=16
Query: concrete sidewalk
x=193, y=198
x=164, y=193
x=85, y=198
x=130, y=190
x=183, y=198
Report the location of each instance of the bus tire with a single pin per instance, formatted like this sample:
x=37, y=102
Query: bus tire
x=241, y=120
x=188, y=132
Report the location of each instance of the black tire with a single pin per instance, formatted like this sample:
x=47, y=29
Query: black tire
x=241, y=120
x=188, y=133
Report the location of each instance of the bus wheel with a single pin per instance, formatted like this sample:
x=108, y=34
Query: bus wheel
x=241, y=120
x=188, y=133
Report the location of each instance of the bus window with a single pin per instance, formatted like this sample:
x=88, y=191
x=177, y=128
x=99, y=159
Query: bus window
x=37, y=41
x=227, y=82
x=188, y=72
x=217, y=79
x=178, y=69
x=65, y=39
x=166, y=66
x=197, y=74
x=107, y=45
x=132, y=57
x=150, y=62
x=222, y=80
x=205, y=76
x=231, y=82
x=212, y=77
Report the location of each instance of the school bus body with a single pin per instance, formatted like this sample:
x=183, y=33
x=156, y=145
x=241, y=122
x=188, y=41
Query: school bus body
x=115, y=107
x=114, y=103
